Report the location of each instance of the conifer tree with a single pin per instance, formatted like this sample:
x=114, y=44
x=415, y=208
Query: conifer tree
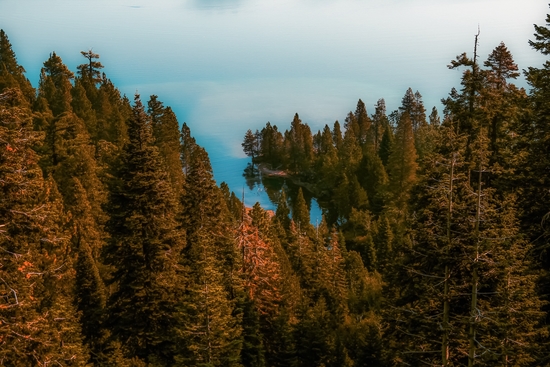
x=300, y=254
x=412, y=105
x=259, y=263
x=379, y=123
x=38, y=317
x=112, y=112
x=212, y=335
x=364, y=123
x=250, y=145
x=373, y=178
x=386, y=145
x=87, y=240
x=463, y=237
x=333, y=275
x=188, y=145
x=11, y=73
x=384, y=241
x=272, y=146
x=504, y=105
x=144, y=250
x=167, y=139
x=402, y=163
x=90, y=72
x=350, y=153
x=89, y=75
x=212, y=326
x=337, y=135
x=536, y=129
x=352, y=125
x=313, y=335
x=300, y=146
x=327, y=161
x=300, y=213
x=82, y=107
x=55, y=84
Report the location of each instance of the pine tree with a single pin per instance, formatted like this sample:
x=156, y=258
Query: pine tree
x=313, y=336
x=112, y=112
x=333, y=275
x=82, y=107
x=350, y=153
x=379, y=123
x=504, y=106
x=144, y=250
x=384, y=241
x=462, y=266
x=188, y=145
x=337, y=135
x=55, y=85
x=213, y=324
x=212, y=335
x=386, y=145
x=326, y=166
x=11, y=73
x=250, y=145
x=364, y=123
x=374, y=179
x=300, y=213
x=534, y=177
x=87, y=240
x=40, y=324
x=90, y=72
x=272, y=145
x=402, y=164
x=167, y=139
x=300, y=146
x=260, y=267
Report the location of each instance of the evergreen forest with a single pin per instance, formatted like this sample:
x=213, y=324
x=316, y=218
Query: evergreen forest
x=119, y=249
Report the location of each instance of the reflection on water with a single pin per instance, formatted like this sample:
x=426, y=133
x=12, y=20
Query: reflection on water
x=270, y=188
x=261, y=189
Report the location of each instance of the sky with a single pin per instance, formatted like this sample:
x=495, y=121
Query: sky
x=225, y=66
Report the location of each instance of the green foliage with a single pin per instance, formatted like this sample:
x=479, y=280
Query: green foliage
x=212, y=336
x=167, y=139
x=11, y=73
x=386, y=145
x=55, y=85
x=251, y=144
x=90, y=71
x=402, y=165
x=39, y=322
x=300, y=212
x=144, y=250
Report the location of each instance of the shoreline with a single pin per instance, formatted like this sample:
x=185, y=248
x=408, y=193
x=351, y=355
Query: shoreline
x=284, y=174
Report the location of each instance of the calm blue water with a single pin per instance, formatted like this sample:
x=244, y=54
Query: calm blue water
x=263, y=190
x=226, y=66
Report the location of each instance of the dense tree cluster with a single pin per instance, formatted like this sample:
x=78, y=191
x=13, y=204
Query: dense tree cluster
x=118, y=248
x=450, y=212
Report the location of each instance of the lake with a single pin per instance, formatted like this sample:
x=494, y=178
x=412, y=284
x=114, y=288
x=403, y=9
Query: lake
x=226, y=66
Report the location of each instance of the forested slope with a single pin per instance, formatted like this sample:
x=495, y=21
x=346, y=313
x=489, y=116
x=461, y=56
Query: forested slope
x=118, y=248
